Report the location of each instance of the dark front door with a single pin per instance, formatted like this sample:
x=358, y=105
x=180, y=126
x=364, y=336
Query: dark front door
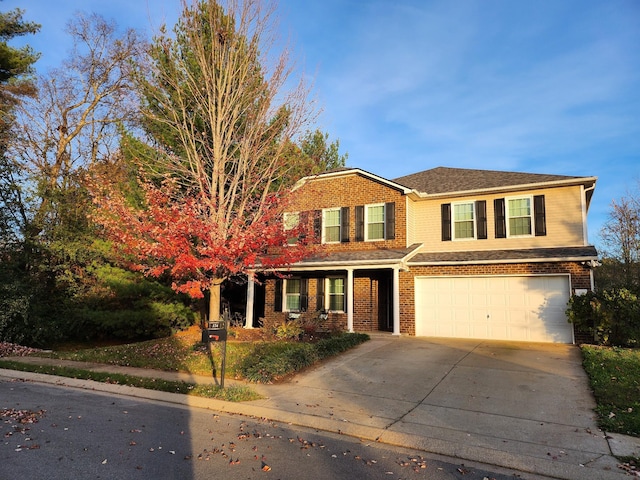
x=385, y=302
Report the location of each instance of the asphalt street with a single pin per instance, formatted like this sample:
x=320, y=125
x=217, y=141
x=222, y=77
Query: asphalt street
x=54, y=432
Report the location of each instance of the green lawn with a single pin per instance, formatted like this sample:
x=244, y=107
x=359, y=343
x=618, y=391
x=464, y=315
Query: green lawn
x=614, y=374
x=173, y=354
x=235, y=393
x=255, y=361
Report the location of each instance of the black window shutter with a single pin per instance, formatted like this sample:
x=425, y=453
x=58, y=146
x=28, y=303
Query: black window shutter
x=277, y=302
x=320, y=294
x=446, y=221
x=539, y=215
x=360, y=223
x=390, y=220
x=304, y=294
x=501, y=218
x=344, y=224
x=317, y=225
x=304, y=224
x=481, y=219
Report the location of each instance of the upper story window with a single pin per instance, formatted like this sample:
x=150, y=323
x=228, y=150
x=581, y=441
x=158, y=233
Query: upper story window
x=464, y=220
x=519, y=216
x=291, y=221
x=374, y=220
x=331, y=225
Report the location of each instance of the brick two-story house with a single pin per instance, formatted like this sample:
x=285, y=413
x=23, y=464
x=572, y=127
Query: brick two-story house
x=445, y=252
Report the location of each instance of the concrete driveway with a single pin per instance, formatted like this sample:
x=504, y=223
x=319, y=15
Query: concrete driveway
x=519, y=405
x=523, y=406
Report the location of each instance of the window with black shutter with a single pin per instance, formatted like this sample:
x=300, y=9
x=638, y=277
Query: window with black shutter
x=445, y=209
x=539, y=215
x=360, y=223
x=500, y=218
x=344, y=224
x=481, y=219
x=390, y=220
x=277, y=301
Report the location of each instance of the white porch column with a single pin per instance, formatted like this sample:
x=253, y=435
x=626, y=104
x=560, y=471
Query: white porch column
x=250, y=298
x=349, y=293
x=396, y=300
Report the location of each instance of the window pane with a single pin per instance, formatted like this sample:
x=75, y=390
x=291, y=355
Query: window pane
x=375, y=231
x=336, y=285
x=336, y=303
x=375, y=222
x=519, y=207
x=520, y=216
x=332, y=225
x=293, y=285
x=463, y=212
x=463, y=220
x=291, y=221
x=336, y=294
x=376, y=214
x=520, y=226
x=464, y=230
x=292, y=301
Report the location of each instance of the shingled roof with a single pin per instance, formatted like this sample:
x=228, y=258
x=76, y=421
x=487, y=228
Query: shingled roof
x=445, y=179
x=531, y=254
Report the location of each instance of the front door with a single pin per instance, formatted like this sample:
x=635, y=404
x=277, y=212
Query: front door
x=385, y=302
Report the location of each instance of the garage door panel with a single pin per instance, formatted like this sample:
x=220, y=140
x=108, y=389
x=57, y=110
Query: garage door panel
x=528, y=308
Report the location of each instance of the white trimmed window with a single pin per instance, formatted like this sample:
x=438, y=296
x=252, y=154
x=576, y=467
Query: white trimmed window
x=374, y=222
x=335, y=294
x=331, y=225
x=292, y=289
x=519, y=211
x=464, y=221
x=291, y=220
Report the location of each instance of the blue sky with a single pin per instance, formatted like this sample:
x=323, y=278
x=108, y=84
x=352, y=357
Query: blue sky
x=541, y=86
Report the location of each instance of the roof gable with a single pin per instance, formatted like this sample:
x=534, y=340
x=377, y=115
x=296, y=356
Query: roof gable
x=343, y=171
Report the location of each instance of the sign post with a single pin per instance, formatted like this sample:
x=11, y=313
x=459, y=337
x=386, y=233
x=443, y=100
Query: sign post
x=217, y=332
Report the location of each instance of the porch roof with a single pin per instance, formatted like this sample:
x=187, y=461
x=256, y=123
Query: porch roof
x=359, y=257
x=582, y=253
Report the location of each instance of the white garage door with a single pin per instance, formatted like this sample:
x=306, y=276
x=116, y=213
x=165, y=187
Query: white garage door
x=527, y=308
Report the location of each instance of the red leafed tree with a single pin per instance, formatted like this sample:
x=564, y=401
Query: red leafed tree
x=171, y=235
x=220, y=111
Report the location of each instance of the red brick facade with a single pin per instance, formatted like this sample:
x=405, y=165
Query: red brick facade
x=580, y=278
x=373, y=287
x=352, y=191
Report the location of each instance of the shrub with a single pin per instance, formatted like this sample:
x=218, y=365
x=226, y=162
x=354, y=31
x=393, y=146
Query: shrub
x=289, y=330
x=611, y=317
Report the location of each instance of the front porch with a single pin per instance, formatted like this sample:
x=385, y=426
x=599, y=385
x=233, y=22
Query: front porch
x=351, y=299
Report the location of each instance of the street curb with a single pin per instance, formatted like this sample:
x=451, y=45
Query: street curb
x=522, y=463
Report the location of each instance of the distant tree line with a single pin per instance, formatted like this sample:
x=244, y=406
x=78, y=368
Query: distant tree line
x=132, y=147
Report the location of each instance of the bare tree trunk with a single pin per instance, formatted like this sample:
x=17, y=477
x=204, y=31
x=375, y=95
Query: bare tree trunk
x=214, y=300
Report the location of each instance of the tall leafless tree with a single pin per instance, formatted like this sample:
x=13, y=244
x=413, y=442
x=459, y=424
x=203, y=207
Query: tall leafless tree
x=73, y=119
x=621, y=238
x=221, y=102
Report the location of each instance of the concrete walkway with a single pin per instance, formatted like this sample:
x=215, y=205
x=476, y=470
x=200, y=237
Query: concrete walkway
x=523, y=406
